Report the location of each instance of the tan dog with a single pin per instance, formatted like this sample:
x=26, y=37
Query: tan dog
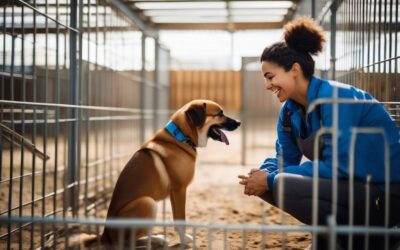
x=164, y=166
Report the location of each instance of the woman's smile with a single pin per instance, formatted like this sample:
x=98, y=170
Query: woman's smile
x=277, y=91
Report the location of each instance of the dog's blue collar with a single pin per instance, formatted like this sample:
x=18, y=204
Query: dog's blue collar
x=174, y=130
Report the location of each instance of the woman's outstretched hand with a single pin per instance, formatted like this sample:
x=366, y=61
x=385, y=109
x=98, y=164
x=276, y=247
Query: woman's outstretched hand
x=255, y=183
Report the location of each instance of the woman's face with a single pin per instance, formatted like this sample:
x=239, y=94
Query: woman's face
x=277, y=80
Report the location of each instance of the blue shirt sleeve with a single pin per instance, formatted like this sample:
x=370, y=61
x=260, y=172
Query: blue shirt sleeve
x=286, y=147
x=270, y=164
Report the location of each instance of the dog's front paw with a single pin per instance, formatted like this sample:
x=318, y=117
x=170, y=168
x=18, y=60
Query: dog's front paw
x=159, y=239
x=156, y=241
x=187, y=239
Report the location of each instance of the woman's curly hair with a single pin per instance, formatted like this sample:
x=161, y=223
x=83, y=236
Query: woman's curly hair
x=303, y=38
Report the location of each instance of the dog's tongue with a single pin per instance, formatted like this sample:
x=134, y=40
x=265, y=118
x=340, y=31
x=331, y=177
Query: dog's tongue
x=222, y=135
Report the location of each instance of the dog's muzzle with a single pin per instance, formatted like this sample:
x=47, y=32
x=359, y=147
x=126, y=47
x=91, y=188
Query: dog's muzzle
x=230, y=124
x=216, y=133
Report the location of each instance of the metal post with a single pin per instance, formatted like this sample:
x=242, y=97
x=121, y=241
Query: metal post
x=243, y=110
x=313, y=9
x=57, y=117
x=332, y=232
x=232, y=47
x=73, y=100
x=157, y=86
x=87, y=115
x=45, y=125
x=78, y=112
x=334, y=7
x=143, y=90
x=23, y=93
x=2, y=87
x=10, y=187
x=396, y=97
x=34, y=99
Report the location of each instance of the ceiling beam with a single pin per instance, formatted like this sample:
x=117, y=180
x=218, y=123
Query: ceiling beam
x=291, y=11
x=218, y=26
x=146, y=1
x=61, y=30
x=187, y=26
x=133, y=16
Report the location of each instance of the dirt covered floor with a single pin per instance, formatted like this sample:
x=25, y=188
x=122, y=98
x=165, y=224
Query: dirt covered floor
x=215, y=197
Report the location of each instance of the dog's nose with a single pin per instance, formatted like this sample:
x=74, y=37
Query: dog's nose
x=231, y=124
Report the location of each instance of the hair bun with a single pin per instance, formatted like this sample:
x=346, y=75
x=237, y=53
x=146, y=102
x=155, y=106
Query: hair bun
x=304, y=35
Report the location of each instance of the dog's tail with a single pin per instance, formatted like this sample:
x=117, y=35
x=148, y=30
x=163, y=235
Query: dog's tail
x=84, y=240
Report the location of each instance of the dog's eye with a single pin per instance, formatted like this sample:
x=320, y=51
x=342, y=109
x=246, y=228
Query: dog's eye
x=220, y=113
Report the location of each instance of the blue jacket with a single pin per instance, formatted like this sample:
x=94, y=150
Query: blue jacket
x=369, y=148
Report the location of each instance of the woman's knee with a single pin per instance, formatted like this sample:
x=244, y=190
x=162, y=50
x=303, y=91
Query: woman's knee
x=291, y=185
x=293, y=195
x=282, y=182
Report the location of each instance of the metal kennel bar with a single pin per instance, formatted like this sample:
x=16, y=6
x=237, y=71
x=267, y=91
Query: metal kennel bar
x=364, y=41
x=331, y=230
x=84, y=83
x=362, y=50
x=354, y=133
x=393, y=108
x=71, y=71
x=191, y=227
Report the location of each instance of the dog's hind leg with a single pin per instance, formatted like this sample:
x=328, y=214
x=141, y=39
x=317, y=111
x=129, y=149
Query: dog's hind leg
x=141, y=208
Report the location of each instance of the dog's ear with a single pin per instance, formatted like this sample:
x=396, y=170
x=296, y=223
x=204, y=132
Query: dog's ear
x=196, y=114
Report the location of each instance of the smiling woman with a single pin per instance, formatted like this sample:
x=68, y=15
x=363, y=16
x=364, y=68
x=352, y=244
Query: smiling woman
x=288, y=68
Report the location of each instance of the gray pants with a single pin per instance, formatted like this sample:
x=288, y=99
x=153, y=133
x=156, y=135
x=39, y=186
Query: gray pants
x=297, y=201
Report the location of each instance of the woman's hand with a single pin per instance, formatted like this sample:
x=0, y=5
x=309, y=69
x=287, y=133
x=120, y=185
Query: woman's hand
x=244, y=178
x=255, y=183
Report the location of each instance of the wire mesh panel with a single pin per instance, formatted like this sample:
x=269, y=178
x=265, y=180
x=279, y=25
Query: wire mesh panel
x=394, y=110
x=362, y=51
x=82, y=86
x=367, y=47
x=71, y=109
x=161, y=92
